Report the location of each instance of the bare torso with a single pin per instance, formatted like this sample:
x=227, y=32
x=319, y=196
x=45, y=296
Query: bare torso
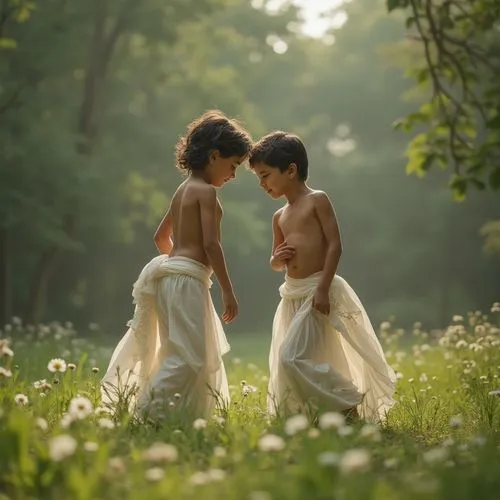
x=185, y=212
x=301, y=229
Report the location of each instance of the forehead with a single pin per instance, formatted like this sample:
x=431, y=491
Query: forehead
x=236, y=159
x=262, y=168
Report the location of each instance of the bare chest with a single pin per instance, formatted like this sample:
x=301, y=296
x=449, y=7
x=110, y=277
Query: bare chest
x=297, y=218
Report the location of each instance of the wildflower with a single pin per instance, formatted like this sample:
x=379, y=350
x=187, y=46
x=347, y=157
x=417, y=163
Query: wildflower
x=95, y=369
x=71, y=366
x=5, y=373
x=154, y=474
x=391, y=463
x=331, y=419
x=57, y=365
x=106, y=423
x=220, y=420
x=5, y=350
x=328, y=458
x=216, y=474
x=102, y=410
x=457, y=318
x=90, y=446
x=220, y=452
x=61, y=447
x=199, y=478
x=248, y=389
x=435, y=455
x=42, y=424
x=296, y=424
x=199, y=423
x=21, y=399
x=355, y=460
x=271, y=442
x=66, y=420
x=385, y=326
x=313, y=433
x=345, y=430
x=371, y=432
x=423, y=378
x=37, y=384
x=80, y=407
x=116, y=465
x=494, y=393
x=161, y=452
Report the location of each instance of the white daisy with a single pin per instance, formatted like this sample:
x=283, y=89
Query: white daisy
x=61, y=447
x=80, y=407
x=57, y=365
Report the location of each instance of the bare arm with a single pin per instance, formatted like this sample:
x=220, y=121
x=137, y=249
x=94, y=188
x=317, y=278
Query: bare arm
x=328, y=222
x=278, y=239
x=211, y=243
x=163, y=235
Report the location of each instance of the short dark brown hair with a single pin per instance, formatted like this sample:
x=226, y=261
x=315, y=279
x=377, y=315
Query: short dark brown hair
x=279, y=149
x=211, y=131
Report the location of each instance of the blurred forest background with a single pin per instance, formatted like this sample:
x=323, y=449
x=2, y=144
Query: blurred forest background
x=94, y=94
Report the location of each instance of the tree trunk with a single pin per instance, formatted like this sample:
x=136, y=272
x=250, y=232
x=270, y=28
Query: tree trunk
x=38, y=295
x=101, y=51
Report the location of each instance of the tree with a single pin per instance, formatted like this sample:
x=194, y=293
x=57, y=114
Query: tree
x=459, y=69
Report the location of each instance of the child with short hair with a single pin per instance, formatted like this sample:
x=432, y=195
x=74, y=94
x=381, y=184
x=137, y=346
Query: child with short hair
x=171, y=355
x=324, y=352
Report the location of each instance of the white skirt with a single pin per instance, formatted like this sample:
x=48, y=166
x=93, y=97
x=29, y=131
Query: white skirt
x=171, y=356
x=329, y=363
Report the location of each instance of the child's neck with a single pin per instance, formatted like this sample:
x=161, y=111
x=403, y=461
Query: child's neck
x=296, y=192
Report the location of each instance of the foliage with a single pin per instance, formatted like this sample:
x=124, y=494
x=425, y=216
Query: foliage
x=458, y=69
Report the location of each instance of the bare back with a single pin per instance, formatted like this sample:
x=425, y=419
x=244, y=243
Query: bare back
x=301, y=228
x=185, y=214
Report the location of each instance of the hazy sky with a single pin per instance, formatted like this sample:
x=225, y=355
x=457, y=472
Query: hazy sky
x=314, y=25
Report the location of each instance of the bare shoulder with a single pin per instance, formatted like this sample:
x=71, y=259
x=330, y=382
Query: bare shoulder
x=277, y=214
x=205, y=192
x=321, y=200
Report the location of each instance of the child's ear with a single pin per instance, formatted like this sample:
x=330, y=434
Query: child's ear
x=292, y=170
x=214, y=154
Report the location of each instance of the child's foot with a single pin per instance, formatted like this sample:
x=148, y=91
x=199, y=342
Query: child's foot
x=351, y=414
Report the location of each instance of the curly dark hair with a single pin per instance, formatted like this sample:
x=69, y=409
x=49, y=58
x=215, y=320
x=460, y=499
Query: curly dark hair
x=279, y=149
x=211, y=131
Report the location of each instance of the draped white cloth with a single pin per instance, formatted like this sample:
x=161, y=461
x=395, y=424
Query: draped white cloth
x=329, y=363
x=171, y=355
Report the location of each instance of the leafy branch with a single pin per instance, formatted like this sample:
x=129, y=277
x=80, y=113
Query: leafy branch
x=461, y=68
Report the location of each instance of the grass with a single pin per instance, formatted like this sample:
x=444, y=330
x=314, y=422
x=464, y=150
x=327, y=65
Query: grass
x=440, y=441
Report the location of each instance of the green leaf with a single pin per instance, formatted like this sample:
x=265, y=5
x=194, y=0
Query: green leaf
x=458, y=186
x=7, y=43
x=396, y=4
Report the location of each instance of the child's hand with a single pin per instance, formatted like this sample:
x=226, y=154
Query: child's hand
x=230, y=307
x=321, y=302
x=284, y=252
